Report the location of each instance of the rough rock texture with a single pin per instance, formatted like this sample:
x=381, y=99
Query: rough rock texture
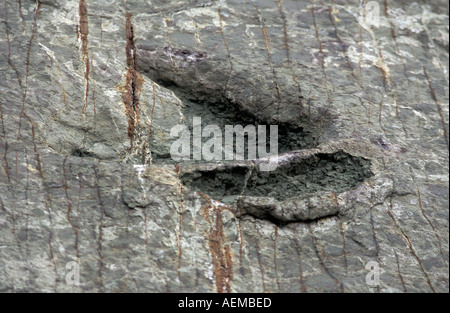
x=89, y=91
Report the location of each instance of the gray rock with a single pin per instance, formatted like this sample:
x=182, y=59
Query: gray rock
x=90, y=90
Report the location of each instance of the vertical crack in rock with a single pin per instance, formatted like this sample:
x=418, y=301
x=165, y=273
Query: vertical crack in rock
x=288, y=49
x=134, y=81
x=321, y=52
x=269, y=56
x=83, y=33
x=221, y=254
x=9, y=46
x=180, y=223
x=5, y=164
x=227, y=47
x=21, y=14
x=27, y=70
x=439, y=109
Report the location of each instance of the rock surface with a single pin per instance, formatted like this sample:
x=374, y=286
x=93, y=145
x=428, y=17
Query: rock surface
x=89, y=91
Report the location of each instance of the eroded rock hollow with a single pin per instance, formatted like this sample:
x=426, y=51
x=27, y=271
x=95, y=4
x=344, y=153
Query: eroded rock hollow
x=89, y=94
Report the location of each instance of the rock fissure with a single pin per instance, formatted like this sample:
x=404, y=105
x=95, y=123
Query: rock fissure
x=133, y=84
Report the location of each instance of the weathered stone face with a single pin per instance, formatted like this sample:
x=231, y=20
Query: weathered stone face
x=89, y=91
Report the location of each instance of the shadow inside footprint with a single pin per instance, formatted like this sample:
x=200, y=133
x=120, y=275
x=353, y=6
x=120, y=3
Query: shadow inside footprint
x=299, y=178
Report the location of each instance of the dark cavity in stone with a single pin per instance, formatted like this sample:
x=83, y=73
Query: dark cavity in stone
x=301, y=178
